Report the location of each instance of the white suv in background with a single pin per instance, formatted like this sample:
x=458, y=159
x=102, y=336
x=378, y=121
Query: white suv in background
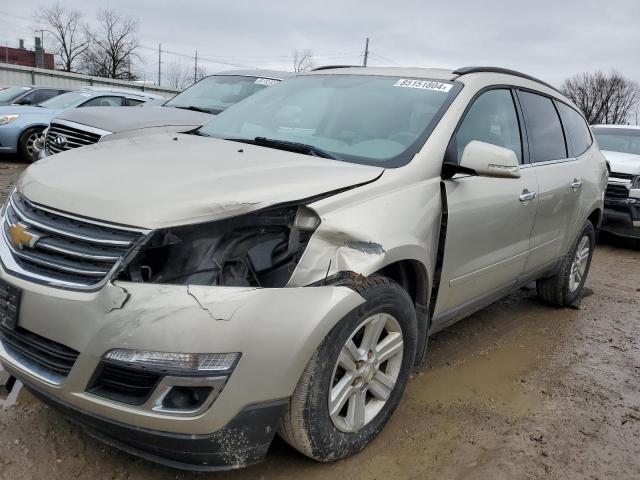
x=620, y=144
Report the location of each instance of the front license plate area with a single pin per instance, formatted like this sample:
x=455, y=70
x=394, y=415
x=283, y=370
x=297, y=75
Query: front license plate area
x=9, y=305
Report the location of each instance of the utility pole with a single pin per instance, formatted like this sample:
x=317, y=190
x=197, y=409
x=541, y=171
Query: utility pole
x=159, y=62
x=366, y=53
x=195, y=69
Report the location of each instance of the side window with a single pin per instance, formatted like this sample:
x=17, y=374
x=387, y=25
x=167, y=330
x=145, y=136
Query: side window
x=546, y=139
x=132, y=102
x=492, y=119
x=44, y=94
x=575, y=128
x=103, y=102
x=27, y=99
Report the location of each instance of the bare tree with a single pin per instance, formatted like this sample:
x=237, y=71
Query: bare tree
x=65, y=31
x=302, y=60
x=603, y=98
x=179, y=76
x=113, y=46
x=201, y=72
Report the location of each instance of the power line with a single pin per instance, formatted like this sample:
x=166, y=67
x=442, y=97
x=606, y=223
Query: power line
x=384, y=59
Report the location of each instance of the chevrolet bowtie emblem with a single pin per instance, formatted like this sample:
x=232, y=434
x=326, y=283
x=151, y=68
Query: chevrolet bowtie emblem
x=20, y=237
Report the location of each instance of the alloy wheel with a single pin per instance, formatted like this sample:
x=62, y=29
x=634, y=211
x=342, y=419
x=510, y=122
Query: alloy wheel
x=366, y=372
x=579, y=265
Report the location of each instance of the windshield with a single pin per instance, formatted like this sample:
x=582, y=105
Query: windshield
x=66, y=100
x=11, y=93
x=375, y=120
x=216, y=93
x=626, y=140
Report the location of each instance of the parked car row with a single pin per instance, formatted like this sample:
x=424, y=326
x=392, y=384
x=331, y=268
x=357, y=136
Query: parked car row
x=186, y=292
x=22, y=128
x=187, y=110
x=21, y=125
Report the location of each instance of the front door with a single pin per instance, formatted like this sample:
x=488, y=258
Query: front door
x=489, y=219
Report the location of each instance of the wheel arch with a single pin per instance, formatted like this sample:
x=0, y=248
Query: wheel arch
x=413, y=277
x=25, y=129
x=595, y=217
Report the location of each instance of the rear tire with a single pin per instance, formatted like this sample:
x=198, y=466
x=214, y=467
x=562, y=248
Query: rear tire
x=565, y=287
x=356, y=377
x=25, y=144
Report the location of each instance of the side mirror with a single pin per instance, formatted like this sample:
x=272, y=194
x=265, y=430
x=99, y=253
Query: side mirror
x=488, y=160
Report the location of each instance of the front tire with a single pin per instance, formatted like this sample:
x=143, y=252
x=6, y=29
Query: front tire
x=26, y=144
x=356, y=377
x=565, y=287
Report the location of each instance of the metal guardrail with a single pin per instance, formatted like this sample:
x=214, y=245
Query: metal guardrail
x=19, y=75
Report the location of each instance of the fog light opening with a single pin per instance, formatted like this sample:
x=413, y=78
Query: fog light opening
x=186, y=398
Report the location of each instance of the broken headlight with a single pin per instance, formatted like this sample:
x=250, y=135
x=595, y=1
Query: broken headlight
x=258, y=249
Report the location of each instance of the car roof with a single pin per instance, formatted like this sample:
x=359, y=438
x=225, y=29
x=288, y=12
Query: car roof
x=481, y=76
x=432, y=73
x=95, y=91
x=626, y=127
x=271, y=74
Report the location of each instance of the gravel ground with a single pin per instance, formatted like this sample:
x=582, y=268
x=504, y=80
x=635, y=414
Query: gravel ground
x=518, y=390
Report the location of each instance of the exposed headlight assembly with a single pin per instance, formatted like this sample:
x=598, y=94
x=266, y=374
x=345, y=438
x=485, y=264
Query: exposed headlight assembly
x=4, y=119
x=258, y=249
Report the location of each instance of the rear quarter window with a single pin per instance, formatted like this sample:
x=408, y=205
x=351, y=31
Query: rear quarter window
x=546, y=138
x=576, y=129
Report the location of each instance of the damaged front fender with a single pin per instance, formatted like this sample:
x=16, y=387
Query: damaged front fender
x=364, y=237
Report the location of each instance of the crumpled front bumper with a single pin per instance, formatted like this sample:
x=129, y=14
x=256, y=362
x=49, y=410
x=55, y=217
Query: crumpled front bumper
x=276, y=330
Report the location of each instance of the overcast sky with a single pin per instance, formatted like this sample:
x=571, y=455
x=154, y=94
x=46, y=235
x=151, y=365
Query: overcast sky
x=548, y=39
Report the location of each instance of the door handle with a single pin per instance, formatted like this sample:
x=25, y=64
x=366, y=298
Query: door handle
x=527, y=196
x=576, y=184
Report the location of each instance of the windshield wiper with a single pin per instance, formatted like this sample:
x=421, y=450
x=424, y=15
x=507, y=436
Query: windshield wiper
x=289, y=146
x=194, y=108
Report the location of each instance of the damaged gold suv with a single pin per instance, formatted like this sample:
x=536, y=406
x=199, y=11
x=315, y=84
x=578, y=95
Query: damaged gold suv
x=185, y=297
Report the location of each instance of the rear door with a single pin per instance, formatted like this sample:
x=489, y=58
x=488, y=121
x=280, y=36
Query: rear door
x=559, y=180
x=489, y=219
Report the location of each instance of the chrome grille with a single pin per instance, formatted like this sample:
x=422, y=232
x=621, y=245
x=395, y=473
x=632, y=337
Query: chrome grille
x=73, y=137
x=62, y=249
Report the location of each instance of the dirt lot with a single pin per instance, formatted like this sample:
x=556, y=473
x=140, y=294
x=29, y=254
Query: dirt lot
x=519, y=390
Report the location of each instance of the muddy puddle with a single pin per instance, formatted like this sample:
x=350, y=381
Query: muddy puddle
x=495, y=379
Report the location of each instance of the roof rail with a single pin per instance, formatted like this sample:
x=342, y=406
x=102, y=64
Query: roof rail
x=506, y=71
x=329, y=67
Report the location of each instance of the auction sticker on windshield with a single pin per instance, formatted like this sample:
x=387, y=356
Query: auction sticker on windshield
x=266, y=81
x=423, y=84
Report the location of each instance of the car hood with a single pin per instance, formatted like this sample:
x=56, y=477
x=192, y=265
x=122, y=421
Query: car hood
x=623, y=162
x=163, y=180
x=122, y=119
